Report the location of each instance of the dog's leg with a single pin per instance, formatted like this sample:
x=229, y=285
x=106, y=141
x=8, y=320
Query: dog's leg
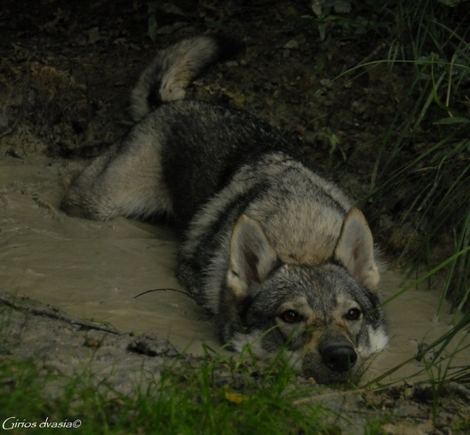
x=126, y=181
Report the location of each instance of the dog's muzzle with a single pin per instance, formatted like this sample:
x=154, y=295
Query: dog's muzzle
x=337, y=352
x=330, y=359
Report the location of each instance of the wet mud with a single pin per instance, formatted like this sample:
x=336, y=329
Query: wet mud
x=91, y=270
x=121, y=272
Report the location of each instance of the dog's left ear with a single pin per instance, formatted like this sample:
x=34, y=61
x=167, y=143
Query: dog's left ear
x=355, y=249
x=252, y=257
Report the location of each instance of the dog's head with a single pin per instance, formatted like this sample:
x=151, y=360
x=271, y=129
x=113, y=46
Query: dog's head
x=325, y=315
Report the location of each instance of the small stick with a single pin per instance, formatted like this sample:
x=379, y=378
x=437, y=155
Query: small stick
x=164, y=290
x=57, y=316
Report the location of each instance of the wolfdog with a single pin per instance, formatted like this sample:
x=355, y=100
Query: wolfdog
x=277, y=253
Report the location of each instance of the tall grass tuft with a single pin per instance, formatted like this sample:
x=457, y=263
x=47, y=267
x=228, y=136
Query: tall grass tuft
x=423, y=161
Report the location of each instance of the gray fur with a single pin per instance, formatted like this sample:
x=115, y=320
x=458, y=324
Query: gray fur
x=264, y=235
x=171, y=71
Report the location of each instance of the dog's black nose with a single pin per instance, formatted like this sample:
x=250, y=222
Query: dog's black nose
x=338, y=358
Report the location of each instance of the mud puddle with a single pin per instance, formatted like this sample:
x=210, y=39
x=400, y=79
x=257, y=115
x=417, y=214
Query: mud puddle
x=89, y=269
x=94, y=270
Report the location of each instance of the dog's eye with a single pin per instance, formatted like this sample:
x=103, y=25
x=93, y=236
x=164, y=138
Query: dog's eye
x=353, y=314
x=291, y=316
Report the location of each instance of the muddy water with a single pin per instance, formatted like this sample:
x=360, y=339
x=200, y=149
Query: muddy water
x=90, y=269
x=94, y=270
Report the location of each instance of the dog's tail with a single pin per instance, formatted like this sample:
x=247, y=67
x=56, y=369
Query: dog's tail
x=174, y=68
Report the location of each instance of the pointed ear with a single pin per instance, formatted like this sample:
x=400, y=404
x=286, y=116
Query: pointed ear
x=252, y=257
x=355, y=249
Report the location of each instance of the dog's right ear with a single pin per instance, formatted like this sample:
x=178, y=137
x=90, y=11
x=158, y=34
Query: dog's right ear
x=252, y=257
x=355, y=249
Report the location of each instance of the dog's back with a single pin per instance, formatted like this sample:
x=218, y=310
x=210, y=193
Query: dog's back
x=206, y=144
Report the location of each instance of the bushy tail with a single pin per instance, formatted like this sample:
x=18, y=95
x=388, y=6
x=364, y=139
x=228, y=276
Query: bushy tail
x=174, y=68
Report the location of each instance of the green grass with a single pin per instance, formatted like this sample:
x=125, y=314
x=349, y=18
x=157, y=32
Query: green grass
x=428, y=161
x=212, y=395
x=218, y=395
